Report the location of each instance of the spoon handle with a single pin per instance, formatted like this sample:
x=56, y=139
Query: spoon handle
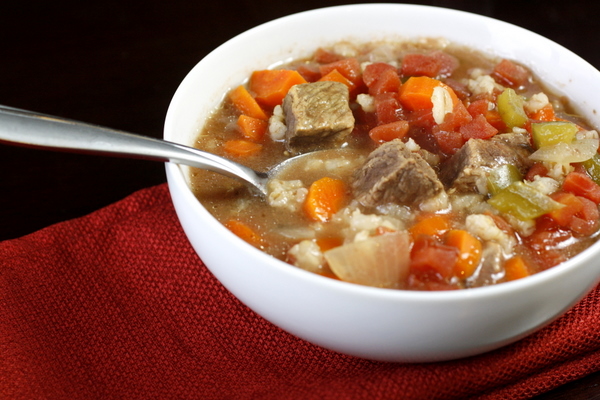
x=29, y=129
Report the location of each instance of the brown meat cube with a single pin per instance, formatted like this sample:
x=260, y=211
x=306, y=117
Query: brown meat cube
x=316, y=114
x=468, y=169
x=394, y=174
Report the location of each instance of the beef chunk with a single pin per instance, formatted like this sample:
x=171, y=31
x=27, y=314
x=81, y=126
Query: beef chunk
x=468, y=169
x=394, y=174
x=317, y=114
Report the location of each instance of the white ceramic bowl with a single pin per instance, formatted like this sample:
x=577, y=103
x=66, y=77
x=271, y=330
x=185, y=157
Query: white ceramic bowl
x=374, y=323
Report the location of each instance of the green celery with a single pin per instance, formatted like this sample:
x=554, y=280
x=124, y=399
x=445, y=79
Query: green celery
x=523, y=202
x=592, y=167
x=551, y=133
x=501, y=177
x=510, y=107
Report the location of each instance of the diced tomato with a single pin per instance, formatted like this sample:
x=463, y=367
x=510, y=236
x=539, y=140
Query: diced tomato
x=461, y=90
x=309, y=72
x=387, y=132
x=436, y=63
x=381, y=78
x=545, y=242
x=572, y=206
x=582, y=185
x=478, y=107
x=323, y=56
x=457, y=118
x=387, y=108
x=430, y=258
x=448, y=63
x=425, y=139
x=510, y=74
x=422, y=119
x=481, y=107
x=495, y=120
x=373, y=71
x=349, y=67
x=419, y=65
x=579, y=214
x=364, y=121
x=477, y=128
x=537, y=169
x=449, y=142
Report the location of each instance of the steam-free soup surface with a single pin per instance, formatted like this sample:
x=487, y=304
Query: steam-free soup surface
x=451, y=169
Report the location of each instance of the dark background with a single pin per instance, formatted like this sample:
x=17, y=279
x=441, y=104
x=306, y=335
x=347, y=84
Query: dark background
x=117, y=64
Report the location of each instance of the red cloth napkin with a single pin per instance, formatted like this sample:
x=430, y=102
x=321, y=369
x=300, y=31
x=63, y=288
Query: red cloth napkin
x=116, y=304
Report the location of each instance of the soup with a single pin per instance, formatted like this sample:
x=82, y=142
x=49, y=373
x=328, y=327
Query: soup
x=450, y=169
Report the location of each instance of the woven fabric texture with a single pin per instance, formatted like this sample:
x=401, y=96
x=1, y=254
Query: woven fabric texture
x=116, y=305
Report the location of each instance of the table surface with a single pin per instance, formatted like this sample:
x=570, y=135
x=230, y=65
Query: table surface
x=116, y=63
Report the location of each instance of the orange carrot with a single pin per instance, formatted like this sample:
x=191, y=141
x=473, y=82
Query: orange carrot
x=387, y=132
x=545, y=114
x=271, y=86
x=415, y=93
x=241, y=148
x=325, y=197
x=515, y=268
x=244, y=232
x=243, y=101
x=252, y=128
x=336, y=76
x=329, y=243
x=469, y=251
x=432, y=225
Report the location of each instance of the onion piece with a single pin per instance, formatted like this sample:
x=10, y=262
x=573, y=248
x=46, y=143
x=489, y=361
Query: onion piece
x=566, y=153
x=380, y=261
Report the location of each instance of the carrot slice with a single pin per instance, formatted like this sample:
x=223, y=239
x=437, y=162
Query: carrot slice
x=325, y=197
x=545, y=114
x=244, y=232
x=271, y=86
x=241, y=148
x=515, y=268
x=252, y=128
x=432, y=225
x=243, y=101
x=329, y=243
x=387, y=132
x=415, y=93
x=337, y=76
x=469, y=251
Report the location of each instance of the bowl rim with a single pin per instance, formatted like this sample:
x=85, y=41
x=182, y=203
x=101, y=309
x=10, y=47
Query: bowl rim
x=177, y=180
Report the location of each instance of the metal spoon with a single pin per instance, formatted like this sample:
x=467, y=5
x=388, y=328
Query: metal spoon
x=26, y=128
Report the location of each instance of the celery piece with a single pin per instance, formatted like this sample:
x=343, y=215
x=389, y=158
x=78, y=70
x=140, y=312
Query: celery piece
x=592, y=167
x=501, y=177
x=551, y=133
x=523, y=202
x=510, y=107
